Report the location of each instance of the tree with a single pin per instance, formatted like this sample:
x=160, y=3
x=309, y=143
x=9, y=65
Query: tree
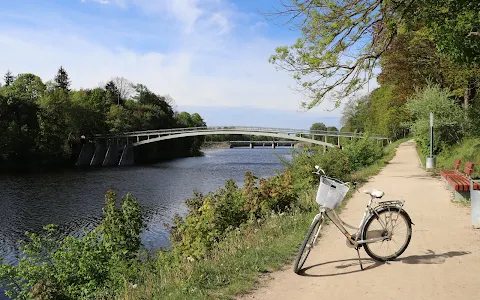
x=342, y=41
x=29, y=87
x=61, y=79
x=454, y=26
x=124, y=86
x=9, y=78
x=340, y=45
x=449, y=119
x=320, y=127
x=410, y=62
x=113, y=94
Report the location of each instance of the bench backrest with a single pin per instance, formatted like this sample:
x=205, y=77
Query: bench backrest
x=468, y=168
x=457, y=163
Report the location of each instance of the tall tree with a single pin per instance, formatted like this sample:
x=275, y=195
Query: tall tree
x=9, y=78
x=61, y=79
x=124, y=86
x=113, y=94
x=342, y=41
x=318, y=126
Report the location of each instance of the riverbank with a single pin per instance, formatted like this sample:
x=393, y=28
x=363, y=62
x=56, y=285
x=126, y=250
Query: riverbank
x=215, y=145
x=238, y=263
x=219, y=248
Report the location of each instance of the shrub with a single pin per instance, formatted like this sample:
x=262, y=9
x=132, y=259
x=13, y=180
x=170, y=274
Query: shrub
x=362, y=152
x=212, y=216
x=448, y=122
x=93, y=266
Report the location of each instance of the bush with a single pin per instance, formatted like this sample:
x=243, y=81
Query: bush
x=93, y=266
x=362, y=152
x=212, y=216
x=336, y=163
x=448, y=122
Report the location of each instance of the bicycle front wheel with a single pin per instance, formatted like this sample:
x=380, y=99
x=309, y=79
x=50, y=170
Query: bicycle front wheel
x=392, y=224
x=307, y=244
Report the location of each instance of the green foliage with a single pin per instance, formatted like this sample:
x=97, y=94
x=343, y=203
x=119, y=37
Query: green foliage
x=41, y=124
x=8, y=78
x=336, y=163
x=448, y=118
x=453, y=26
x=468, y=150
x=213, y=215
x=362, y=152
x=61, y=79
x=340, y=45
x=93, y=266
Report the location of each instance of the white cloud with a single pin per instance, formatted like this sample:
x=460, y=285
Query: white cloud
x=238, y=77
x=204, y=69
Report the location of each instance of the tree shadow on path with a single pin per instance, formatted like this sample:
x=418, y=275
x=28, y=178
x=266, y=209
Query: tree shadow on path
x=429, y=258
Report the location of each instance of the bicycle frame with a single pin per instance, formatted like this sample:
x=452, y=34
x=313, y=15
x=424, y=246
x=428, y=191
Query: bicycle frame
x=354, y=239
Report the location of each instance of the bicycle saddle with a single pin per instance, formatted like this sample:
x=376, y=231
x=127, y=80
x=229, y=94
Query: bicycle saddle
x=374, y=193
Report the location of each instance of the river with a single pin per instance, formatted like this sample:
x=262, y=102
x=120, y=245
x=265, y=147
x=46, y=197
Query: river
x=73, y=199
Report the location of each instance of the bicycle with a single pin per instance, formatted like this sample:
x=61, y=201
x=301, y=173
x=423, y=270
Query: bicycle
x=330, y=194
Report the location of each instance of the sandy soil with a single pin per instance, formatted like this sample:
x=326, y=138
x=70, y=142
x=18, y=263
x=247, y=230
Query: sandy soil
x=441, y=262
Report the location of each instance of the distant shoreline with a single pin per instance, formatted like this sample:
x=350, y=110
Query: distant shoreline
x=215, y=145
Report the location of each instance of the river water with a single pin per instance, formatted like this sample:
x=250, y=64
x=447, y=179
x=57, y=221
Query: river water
x=73, y=199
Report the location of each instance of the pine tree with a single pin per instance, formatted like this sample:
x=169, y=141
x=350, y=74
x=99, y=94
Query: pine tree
x=61, y=79
x=113, y=94
x=9, y=78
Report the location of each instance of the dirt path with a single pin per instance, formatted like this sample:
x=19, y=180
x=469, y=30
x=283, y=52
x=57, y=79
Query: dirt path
x=441, y=262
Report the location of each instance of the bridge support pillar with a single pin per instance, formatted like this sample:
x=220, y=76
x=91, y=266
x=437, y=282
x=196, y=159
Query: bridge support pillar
x=85, y=155
x=111, y=158
x=99, y=155
x=273, y=146
x=251, y=146
x=127, y=157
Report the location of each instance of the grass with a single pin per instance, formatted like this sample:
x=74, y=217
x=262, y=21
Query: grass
x=233, y=266
x=239, y=262
x=468, y=150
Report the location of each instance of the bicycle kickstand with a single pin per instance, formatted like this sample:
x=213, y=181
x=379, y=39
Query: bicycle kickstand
x=359, y=260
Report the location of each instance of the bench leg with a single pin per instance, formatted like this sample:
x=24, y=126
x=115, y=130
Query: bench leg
x=462, y=195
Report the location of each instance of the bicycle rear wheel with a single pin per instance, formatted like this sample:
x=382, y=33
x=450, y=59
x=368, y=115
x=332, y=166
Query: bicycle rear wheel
x=387, y=220
x=307, y=244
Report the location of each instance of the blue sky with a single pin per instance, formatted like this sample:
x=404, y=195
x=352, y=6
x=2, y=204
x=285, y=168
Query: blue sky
x=211, y=56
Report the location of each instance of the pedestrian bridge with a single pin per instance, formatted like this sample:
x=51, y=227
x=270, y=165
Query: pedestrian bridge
x=105, y=155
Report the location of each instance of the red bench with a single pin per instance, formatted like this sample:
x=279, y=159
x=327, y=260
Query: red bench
x=456, y=166
x=459, y=181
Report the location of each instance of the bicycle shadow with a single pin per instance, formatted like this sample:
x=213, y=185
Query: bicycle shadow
x=368, y=264
x=429, y=258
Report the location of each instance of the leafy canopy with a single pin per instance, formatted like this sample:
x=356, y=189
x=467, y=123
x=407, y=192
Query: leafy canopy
x=342, y=41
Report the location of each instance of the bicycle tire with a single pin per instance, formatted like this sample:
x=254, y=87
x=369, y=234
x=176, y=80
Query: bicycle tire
x=372, y=217
x=298, y=264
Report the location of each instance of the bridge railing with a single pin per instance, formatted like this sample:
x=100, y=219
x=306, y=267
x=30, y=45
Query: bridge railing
x=234, y=129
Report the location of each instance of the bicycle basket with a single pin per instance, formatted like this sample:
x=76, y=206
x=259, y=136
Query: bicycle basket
x=331, y=192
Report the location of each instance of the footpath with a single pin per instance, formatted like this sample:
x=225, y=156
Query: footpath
x=441, y=262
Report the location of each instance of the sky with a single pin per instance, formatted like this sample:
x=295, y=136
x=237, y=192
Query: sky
x=210, y=56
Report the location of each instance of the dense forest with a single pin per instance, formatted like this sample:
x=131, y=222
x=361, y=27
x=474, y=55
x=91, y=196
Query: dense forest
x=41, y=122
x=424, y=54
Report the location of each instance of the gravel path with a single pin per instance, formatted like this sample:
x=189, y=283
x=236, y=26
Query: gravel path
x=441, y=262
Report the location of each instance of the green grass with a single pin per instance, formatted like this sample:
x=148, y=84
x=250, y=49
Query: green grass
x=234, y=265
x=468, y=150
x=239, y=262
